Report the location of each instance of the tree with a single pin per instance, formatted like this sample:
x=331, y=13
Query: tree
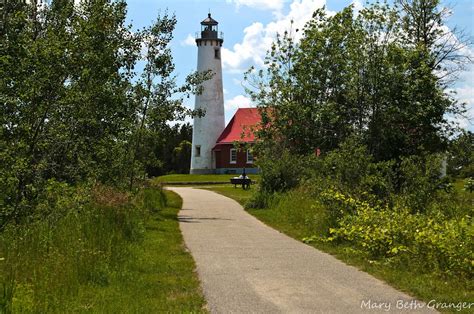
x=156, y=93
x=461, y=155
x=355, y=75
x=423, y=25
x=73, y=108
x=165, y=150
x=182, y=156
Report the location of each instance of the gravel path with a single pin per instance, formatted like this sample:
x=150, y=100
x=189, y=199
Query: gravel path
x=247, y=267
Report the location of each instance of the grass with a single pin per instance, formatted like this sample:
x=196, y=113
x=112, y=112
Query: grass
x=198, y=178
x=465, y=198
x=160, y=277
x=237, y=193
x=296, y=217
x=123, y=255
x=459, y=187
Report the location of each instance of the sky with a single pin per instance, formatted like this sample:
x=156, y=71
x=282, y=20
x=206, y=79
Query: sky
x=249, y=26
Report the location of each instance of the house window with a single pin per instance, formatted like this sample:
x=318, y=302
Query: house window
x=198, y=151
x=233, y=156
x=249, y=157
x=217, y=53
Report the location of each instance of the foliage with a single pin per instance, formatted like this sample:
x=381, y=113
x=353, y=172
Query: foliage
x=261, y=199
x=369, y=75
x=74, y=109
x=74, y=243
x=181, y=156
x=469, y=186
x=423, y=24
x=420, y=179
x=425, y=242
x=404, y=271
x=282, y=173
x=350, y=167
x=171, y=150
x=461, y=155
x=396, y=213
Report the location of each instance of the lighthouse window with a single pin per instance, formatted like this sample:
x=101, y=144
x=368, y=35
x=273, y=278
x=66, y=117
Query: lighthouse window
x=233, y=156
x=198, y=151
x=217, y=53
x=249, y=157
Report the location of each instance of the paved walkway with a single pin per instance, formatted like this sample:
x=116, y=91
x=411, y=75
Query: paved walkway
x=245, y=266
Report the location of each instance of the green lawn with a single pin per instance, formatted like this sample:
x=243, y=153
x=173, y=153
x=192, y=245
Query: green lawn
x=199, y=178
x=423, y=286
x=238, y=194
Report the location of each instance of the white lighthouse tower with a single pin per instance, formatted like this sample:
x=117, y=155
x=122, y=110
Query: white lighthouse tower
x=208, y=128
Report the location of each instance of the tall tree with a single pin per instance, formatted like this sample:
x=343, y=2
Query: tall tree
x=157, y=95
x=424, y=28
x=73, y=107
x=354, y=75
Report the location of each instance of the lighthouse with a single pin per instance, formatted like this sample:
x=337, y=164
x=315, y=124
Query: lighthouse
x=208, y=128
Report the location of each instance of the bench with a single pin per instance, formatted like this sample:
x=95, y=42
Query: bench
x=240, y=181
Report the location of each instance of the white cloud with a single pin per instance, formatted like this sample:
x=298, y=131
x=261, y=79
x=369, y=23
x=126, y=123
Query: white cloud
x=358, y=6
x=239, y=101
x=464, y=85
x=465, y=94
x=258, y=38
x=237, y=82
x=189, y=41
x=273, y=5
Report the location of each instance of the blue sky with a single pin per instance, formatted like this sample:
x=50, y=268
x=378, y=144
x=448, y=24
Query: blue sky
x=250, y=25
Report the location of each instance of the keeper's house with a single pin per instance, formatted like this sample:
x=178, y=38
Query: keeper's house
x=228, y=158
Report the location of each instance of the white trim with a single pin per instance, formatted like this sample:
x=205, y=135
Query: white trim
x=249, y=161
x=230, y=156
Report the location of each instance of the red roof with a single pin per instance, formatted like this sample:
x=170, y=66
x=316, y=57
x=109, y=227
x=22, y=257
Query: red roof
x=240, y=127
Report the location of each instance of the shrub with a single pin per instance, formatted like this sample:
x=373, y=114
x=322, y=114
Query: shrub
x=420, y=180
x=351, y=169
x=427, y=242
x=469, y=185
x=281, y=173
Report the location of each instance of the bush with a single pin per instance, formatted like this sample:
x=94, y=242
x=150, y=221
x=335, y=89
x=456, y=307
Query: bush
x=348, y=168
x=426, y=242
x=469, y=185
x=352, y=169
x=420, y=180
x=281, y=173
x=402, y=212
